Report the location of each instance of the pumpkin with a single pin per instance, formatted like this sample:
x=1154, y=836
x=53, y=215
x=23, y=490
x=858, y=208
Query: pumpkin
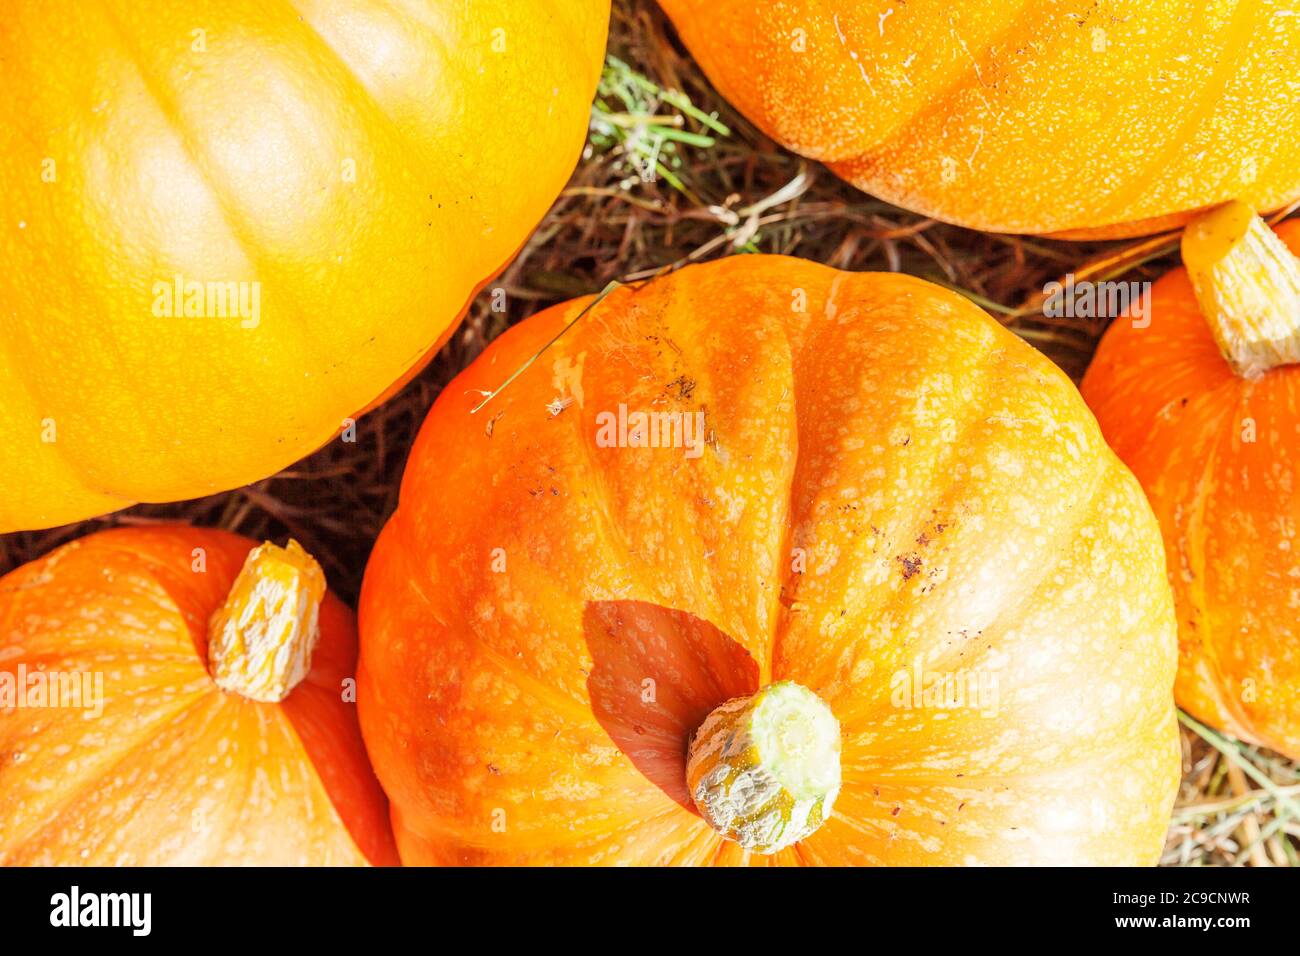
x=763, y=562
x=1107, y=118
x=177, y=696
x=1202, y=400
x=228, y=227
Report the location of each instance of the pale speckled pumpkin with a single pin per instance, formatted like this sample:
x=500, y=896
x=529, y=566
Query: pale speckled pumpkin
x=362, y=166
x=1208, y=417
x=173, y=770
x=885, y=479
x=1113, y=117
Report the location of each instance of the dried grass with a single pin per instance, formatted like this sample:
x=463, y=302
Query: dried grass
x=721, y=187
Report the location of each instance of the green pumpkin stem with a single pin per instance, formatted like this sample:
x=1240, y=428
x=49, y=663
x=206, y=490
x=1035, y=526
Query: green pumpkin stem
x=764, y=770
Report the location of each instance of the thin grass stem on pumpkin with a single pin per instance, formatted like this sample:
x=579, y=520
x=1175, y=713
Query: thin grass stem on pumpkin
x=538, y=354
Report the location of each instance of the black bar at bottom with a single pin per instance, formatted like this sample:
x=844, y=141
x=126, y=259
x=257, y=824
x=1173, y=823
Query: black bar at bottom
x=454, y=908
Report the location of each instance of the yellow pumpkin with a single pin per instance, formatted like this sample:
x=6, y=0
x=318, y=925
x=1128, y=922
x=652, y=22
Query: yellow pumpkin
x=1108, y=117
x=228, y=225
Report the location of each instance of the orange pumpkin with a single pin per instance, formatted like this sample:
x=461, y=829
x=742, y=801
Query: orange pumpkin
x=764, y=562
x=228, y=225
x=1107, y=118
x=131, y=738
x=1202, y=401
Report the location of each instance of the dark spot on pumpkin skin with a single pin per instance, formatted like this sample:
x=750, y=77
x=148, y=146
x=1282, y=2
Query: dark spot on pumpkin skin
x=665, y=341
x=911, y=563
x=685, y=386
x=895, y=812
x=925, y=538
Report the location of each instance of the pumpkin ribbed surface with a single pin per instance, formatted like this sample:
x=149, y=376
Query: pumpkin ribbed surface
x=229, y=225
x=158, y=766
x=1218, y=455
x=876, y=483
x=1113, y=117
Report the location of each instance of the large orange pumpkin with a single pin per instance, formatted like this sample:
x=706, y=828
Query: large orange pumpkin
x=130, y=738
x=228, y=225
x=1111, y=117
x=1203, y=403
x=765, y=562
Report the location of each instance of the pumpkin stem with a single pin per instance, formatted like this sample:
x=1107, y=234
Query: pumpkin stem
x=1247, y=283
x=764, y=770
x=261, y=640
